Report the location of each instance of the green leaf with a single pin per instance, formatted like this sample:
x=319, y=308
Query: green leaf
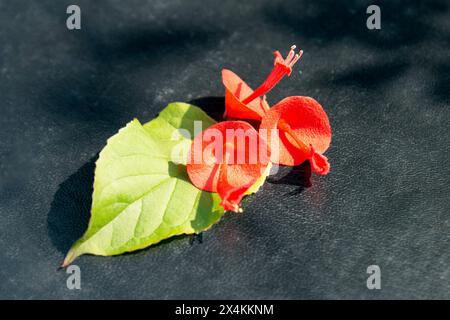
x=141, y=196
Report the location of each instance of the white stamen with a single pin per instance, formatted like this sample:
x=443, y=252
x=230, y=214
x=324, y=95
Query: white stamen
x=292, y=58
x=295, y=59
x=289, y=56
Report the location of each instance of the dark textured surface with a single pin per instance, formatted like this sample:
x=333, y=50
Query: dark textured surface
x=386, y=200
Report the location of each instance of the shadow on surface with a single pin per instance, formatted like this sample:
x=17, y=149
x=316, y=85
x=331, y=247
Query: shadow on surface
x=333, y=21
x=441, y=88
x=213, y=106
x=295, y=176
x=110, y=81
x=69, y=213
x=371, y=76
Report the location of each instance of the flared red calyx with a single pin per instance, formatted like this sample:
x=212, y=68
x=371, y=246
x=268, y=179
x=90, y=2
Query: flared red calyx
x=228, y=158
x=302, y=132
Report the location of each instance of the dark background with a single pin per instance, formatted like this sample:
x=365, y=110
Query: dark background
x=385, y=202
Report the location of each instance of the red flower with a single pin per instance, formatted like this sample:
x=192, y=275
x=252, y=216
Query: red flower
x=227, y=158
x=296, y=129
x=302, y=132
x=242, y=102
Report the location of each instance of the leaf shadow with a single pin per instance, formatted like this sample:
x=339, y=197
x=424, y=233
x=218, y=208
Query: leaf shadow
x=69, y=213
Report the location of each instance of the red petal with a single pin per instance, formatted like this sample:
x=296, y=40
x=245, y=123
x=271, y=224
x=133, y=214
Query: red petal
x=319, y=163
x=231, y=196
x=236, y=90
x=309, y=127
x=209, y=170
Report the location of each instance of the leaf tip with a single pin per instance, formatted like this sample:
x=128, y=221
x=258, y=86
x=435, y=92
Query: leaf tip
x=70, y=257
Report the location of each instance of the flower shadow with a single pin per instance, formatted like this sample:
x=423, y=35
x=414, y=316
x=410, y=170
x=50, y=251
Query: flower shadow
x=213, y=106
x=299, y=176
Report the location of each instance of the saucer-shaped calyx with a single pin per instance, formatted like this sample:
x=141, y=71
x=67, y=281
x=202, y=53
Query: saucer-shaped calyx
x=241, y=102
x=302, y=132
x=227, y=158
